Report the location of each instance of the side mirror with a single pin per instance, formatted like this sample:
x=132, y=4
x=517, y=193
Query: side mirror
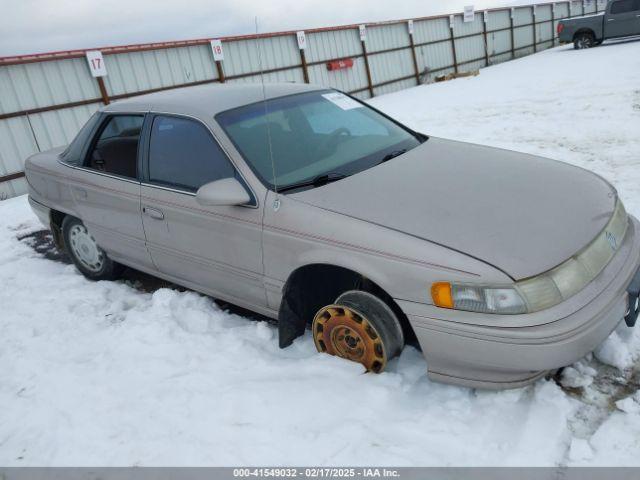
x=225, y=192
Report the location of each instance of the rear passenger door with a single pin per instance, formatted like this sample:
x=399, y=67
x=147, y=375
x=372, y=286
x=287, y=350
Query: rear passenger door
x=623, y=19
x=216, y=250
x=106, y=189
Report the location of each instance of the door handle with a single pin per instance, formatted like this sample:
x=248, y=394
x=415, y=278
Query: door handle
x=611, y=19
x=153, y=213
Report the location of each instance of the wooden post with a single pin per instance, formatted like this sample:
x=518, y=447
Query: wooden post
x=220, y=70
x=103, y=91
x=452, y=38
x=416, y=70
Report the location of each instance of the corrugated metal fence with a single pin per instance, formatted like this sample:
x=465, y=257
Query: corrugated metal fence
x=45, y=98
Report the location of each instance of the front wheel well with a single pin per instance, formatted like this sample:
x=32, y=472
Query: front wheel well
x=311, y=287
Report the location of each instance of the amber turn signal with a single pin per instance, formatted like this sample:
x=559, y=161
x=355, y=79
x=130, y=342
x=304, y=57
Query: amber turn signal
x=441, y=294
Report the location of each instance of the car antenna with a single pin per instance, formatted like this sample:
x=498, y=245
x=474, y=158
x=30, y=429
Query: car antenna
x=276, y=202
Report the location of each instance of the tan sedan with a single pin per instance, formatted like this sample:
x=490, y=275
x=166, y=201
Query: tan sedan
x=311, y=207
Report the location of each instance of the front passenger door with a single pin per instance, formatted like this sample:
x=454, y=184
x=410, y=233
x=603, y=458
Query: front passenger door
x=216, y=250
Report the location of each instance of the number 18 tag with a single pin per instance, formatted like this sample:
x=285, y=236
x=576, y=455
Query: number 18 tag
x=218, y=53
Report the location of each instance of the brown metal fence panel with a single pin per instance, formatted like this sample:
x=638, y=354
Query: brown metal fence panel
x=45, y=98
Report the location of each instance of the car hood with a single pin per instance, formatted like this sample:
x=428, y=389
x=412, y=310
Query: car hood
x=520, y=213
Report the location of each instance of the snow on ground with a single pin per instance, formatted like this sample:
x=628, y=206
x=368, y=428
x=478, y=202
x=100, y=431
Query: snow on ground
x=110, y=373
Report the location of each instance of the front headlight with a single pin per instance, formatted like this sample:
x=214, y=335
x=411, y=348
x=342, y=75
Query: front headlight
x=478, y=298
x=544, y=290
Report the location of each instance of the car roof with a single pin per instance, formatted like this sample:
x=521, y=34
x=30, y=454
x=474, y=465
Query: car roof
x=208, y=100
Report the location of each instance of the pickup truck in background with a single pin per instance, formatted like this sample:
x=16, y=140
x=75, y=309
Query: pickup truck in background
x=621, y=18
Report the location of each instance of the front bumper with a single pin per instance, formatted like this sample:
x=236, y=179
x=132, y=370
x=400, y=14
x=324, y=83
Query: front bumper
x=499, y=356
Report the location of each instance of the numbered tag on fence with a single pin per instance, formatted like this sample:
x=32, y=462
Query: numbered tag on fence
x=96, y=63
x=363, y=33
x=302, y=40
x=469, y=13
x=410, y=25
x=218, y=53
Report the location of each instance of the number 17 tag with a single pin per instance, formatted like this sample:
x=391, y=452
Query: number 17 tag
x=96, y=63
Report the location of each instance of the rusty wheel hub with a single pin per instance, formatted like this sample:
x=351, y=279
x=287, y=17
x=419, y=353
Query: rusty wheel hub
x=346, y=333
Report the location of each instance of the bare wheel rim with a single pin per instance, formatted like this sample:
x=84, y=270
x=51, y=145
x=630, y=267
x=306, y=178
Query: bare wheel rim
x=347, y=333
x=85, y=249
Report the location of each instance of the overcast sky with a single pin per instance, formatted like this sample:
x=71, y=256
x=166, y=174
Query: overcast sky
x=33, y=26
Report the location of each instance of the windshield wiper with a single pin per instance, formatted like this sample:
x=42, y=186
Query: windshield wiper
x=394, y=154
x=318, y=181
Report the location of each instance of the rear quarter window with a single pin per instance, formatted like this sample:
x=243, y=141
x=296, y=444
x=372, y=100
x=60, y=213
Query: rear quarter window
x=73, y=153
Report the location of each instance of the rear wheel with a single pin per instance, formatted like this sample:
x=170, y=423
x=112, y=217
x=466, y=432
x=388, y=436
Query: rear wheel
x=584, y=40
x=359, y=327
x=86, y=254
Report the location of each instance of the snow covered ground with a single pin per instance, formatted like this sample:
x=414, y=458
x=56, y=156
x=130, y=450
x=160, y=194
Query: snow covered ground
x=114, y=373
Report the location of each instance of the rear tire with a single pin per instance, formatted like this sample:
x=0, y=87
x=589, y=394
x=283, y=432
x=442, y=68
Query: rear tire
x=359, y=327
x=86, y=254
x=584, y=40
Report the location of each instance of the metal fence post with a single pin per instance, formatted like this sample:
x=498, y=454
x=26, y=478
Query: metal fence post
x=363, y=39
x=513, y=42
x=305, y=70
x=218, y=57
x=103, y=91
x=220, y=71
x=416, y=70
x=301, y=38
x=553, y=25
x=452, y=37
x=535, y=35
x=485, y=18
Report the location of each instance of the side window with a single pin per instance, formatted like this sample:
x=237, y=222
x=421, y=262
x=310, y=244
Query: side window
x=623, y=6
x=73, y=153
x=115, y=150
x=184, y=155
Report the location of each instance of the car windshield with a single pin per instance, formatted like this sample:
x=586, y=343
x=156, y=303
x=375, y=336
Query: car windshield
x=316, y=135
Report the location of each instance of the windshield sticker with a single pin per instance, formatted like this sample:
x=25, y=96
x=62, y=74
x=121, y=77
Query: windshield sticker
x=342, y=101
